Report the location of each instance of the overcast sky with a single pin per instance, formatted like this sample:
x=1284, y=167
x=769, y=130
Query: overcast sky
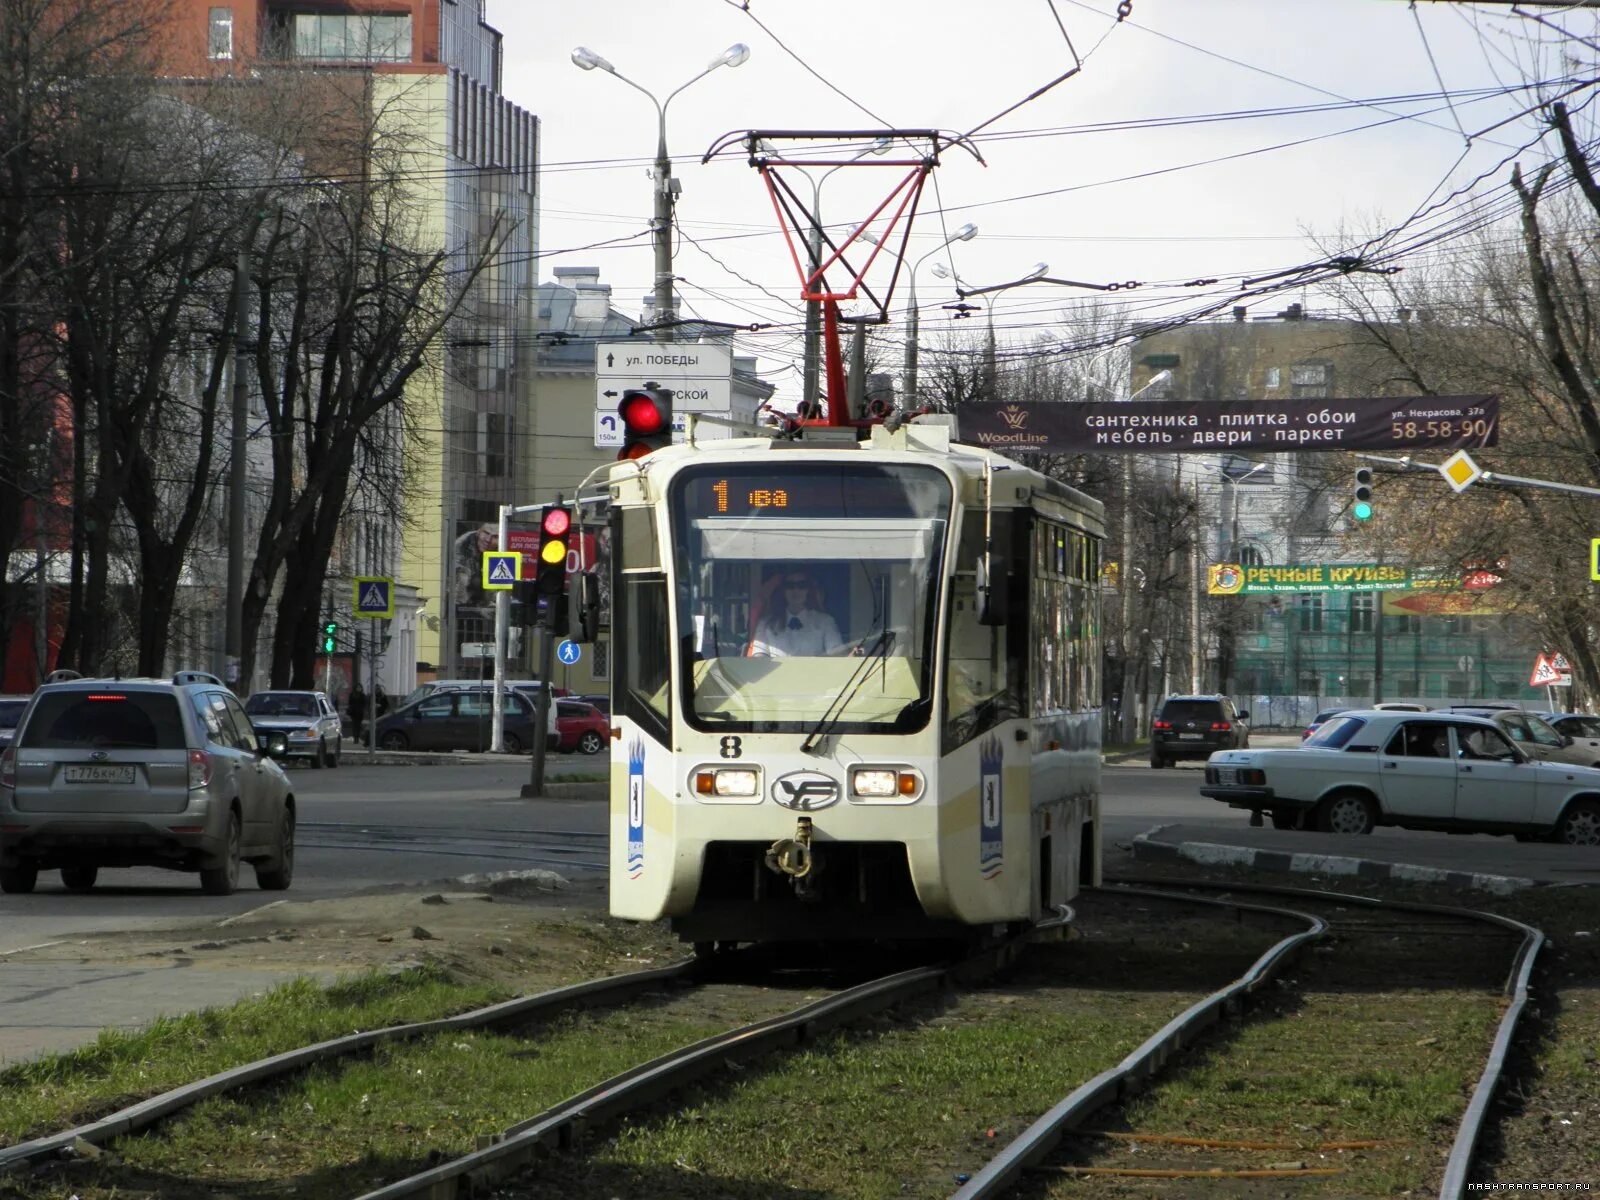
x=1124, y=198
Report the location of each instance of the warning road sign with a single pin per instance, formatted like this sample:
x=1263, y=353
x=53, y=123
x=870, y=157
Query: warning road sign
x=501, y=570
x=374, y=597
x=1545, y=673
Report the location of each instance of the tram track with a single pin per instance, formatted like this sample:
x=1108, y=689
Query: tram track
x=637, y=1092
x=557, y=1125
x=1032, y=1150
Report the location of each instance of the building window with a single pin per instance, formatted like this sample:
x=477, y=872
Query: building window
x=219, y=42
x=352, y=37
x=1361, y=610
x=494, y=444
x=1311, y=612
x=1308, y=375
x=1251, y=556
x=1274, y=377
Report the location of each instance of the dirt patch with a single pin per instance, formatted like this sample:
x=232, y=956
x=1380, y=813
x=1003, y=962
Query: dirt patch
x=512, y=930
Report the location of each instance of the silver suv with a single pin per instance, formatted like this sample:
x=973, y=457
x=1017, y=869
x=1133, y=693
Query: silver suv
x=142, y=772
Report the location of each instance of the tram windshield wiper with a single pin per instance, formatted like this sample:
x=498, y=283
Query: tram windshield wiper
x=831, y=714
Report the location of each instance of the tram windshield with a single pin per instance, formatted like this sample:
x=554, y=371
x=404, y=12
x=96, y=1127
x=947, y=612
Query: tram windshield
x=808, y=589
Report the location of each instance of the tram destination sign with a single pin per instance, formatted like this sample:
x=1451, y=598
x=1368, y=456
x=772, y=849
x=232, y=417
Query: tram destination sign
x=1205, y=426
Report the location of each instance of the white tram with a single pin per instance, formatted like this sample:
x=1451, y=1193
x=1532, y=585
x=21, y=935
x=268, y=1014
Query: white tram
x=857, y=686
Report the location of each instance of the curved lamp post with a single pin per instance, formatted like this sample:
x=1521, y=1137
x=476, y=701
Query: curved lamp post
x=667, y=188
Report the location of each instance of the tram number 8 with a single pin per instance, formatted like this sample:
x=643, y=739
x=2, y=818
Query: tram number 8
x=755, y=498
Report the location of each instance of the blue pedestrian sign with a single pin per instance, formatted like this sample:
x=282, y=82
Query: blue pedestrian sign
x=374, y=597
x=569, y=652
x=501, y=570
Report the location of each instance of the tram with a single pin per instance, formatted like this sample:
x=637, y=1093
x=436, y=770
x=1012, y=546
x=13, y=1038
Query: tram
x=856, y=688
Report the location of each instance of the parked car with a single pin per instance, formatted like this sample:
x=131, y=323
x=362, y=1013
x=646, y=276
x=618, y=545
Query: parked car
x=1536, y=737
x=451, y=719
x=10, y=713
x=583, y=727
x=298, y=725
x=1580, y=727
x=1196, y=727
x=603, y=703
x=1438, y=770
x=142, y=772
x=1400, y=706
x=455, y=685
x=1322, y=718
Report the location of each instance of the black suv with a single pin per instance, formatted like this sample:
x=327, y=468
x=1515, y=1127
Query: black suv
x=1196, y=727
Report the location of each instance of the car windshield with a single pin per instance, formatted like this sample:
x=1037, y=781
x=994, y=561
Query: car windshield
x=1579, y=726
x=105, y=720
x=1335, y=732
x=788, y=578
x=277, y=704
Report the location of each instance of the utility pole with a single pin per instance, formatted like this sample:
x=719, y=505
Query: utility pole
x=1194, y=597
x=666, y=302
x=233, y=606
x=857, y=397
x=1128, y=729
x=808, y=387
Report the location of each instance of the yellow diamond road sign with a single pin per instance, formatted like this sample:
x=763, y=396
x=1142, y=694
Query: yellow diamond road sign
x=1460, y=471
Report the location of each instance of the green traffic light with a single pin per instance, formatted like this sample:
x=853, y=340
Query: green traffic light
x=1362, y=511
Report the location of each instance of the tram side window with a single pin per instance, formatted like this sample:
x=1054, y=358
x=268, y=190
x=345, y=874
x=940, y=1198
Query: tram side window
x=984, y=681
x=1059, y=609
x=646, y=659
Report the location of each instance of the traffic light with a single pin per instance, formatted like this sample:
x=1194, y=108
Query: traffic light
x=646, y=414
x=555, y=533
x=330, y=636
x=1361, y=505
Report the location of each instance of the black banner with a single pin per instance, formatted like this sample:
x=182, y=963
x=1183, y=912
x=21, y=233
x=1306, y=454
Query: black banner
x=1205, y=426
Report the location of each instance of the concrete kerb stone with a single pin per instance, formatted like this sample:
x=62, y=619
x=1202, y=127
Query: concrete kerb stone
x=1146, y=846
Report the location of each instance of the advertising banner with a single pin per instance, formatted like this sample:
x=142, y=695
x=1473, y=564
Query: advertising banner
x=1232, y=579
x=1375, y=423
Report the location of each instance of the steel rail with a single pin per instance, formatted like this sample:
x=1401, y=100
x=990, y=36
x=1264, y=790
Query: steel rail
x=147, y=1112
x=1453, y=1185
x=1003, y=1171
x=560, y=1126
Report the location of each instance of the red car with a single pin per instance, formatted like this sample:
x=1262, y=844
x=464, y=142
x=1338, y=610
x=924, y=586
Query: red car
x=581, y=727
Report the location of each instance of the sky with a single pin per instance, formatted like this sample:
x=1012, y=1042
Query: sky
x=1107, y=177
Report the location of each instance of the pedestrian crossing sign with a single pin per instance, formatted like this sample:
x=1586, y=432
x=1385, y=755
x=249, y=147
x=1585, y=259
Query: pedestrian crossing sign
x=374, y=597
x=501, y=570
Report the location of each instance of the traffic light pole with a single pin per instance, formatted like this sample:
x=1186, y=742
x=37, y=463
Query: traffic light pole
x=372, y=686
x=502, y=622
x=541, y=710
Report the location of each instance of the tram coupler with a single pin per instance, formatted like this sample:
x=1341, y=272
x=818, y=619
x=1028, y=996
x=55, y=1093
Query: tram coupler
x=793, y=857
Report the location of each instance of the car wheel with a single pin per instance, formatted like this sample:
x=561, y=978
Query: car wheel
x=277, y=877
x=1288, y=818
x=394, y=740
x=320, y=758
x=1347, y=812
x=223, y=879
x=1580, y=824
x=591, y=742
x=513, y=743
x=79, y=879
x=1157, y=762
x=18, y=880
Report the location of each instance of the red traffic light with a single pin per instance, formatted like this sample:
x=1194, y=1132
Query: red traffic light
x=642, y=412
x=556, y=521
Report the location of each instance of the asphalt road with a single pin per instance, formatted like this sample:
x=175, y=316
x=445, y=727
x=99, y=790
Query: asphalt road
x=385, y=826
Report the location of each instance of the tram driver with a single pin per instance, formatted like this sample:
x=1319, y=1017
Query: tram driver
x=797, y=626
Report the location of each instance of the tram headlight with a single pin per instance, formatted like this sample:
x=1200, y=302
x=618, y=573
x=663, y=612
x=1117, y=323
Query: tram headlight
x=726, y=781
x=885, y=783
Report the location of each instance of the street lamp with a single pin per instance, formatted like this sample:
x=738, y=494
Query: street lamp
x=667, y=188
x=1125, y=575
x=965, y=234
x=990, y=370
x=1234, y=481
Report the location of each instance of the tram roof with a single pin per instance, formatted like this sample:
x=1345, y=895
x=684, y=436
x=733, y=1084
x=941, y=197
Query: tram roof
x=967, y=460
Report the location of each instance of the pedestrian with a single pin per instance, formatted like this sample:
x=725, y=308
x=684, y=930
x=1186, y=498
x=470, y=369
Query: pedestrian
x=357, y=708
x=380, y=703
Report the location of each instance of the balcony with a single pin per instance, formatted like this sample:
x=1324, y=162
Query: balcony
x=335, y=37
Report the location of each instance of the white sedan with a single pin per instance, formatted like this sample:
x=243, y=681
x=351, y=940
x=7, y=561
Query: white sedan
x=1418, y=770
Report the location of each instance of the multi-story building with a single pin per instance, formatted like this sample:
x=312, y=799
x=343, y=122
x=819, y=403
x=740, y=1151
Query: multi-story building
x=1282, y=654
x=432, y=70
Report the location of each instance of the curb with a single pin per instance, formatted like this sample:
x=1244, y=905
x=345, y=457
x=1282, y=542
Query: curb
x=1213, y=854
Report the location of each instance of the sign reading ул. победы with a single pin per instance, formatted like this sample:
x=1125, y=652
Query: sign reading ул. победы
x=1204, y=426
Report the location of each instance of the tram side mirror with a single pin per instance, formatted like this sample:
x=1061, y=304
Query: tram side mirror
x=588, y=606
x=994, y=589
